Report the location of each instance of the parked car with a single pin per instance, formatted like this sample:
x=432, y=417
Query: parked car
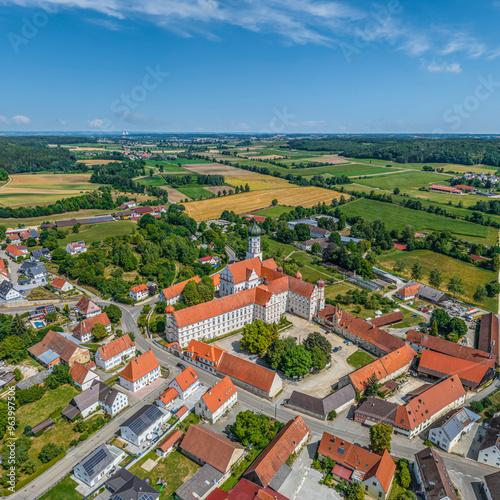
x=180, y=366
x=335, y=349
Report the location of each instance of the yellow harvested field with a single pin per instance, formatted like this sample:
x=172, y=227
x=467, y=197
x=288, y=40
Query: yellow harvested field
x=97, y=162
x=332, y=159
x=247, y=202
x=239, y=177
x=266, y=157
x=43, y=188
x=174, y=195
x=216, y=189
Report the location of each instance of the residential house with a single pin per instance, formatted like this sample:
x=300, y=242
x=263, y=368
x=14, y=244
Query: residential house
x=408, y=292
x=173, y=294
x=186, y=382
x=199, y=486
x=111, y=400
x=419, y=413
x=337, y=401
x=413, y=290
x=450, y=428
x=140, y=372
x=375, y=472
x=41, y=311
x=37, y=255
x=167, y=397
x=54, y=349
x=125, y=485
x=437, y=366
x=83, y=331
x=115, y=352
x=16, y=252
x=8, y=292
x=83, y=375
x=128, y=205
x=100, y=462
x=61, y=285
x=205, y=446
x=491, y=486
x=433, y=477
x=139, y=292
x=489, y=450
x=86, y=308
x=170, y=443
x=14, y=238
x=318, y=232
x=217, y=400
x=36, y=271
x=270, y=468
x=148, y=420
x=76, y=248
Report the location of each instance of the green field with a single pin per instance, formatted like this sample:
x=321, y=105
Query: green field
x=274, y=211
x=168, y=166
x=396, y=217
x=98, y=232
x=156, y=180
x=405, y=180
x=195, y=191
x=471, y=275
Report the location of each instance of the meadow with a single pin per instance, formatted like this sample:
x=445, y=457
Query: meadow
x=405, y=180
x=194, y=191
x=98, y=232
x=470, y=274
x=253, y=200
x=39, y=189
x=396, y=217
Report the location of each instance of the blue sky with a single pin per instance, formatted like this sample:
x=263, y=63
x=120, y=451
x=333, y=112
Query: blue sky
x=278, y=66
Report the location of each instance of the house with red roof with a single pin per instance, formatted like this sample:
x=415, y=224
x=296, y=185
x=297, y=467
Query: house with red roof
x=140, y=372
x=114, y=353
x=246, y=490
x=208, y=260
x=290, y=439
x=186, y=382
x=61, y=285
x=139, y=292
x=375, y=472
x=16, y=252
x=86, y=308
x=14, y=238
x=83, y=375
x=217, y=400
x=173, y=294
x=170, y=443
x=445, y=189
x=408, y=292
x=167, y=397
x=84, y=330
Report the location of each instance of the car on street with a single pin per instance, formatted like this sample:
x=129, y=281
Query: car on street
x=335, y=349
x=180, y=366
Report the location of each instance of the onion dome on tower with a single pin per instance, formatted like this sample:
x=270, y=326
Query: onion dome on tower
x=279, y=269
x=320, y=283
x=169, y=309
x=298, y=275
x=255, y=230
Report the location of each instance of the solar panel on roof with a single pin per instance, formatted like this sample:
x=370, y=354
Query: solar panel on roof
x=138, y=426
x=94, y=460
x=340, y=451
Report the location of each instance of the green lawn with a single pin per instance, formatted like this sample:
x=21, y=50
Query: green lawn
x=470, y=274
x=396, y=217
x=34, y=413
x=97, y=232
x=175, y=469
x=405, y=180
x=63, y=490
x=359, y=359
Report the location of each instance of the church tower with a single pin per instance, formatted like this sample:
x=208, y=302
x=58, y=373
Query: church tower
x=254, y=241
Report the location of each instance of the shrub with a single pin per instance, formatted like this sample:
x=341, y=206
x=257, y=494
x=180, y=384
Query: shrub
x=49, y=452
x=476, y=407
x=428, y=443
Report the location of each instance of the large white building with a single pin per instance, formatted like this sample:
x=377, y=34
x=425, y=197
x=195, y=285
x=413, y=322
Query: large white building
x=146, y=421
x=140, y=372
x=250, y=290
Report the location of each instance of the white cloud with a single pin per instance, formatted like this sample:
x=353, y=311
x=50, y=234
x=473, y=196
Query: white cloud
x=21, y=120
x=96, y=123
x=3, y=119
x=444, y=67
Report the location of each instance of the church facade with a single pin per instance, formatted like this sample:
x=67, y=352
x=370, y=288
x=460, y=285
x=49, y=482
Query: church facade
x=251, y=289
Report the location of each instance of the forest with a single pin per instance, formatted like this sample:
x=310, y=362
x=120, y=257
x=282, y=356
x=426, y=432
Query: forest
x=461, y=151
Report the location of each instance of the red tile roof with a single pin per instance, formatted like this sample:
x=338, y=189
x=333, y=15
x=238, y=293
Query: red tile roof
x=182, y=411
x=87, y=306
x=115, y=347
x=488, y=332
x=64, y=347
x=477, y=258
x=87, y=325
x=387, y=319
x=140, y=366
x=78, y=372
x=400, y=246
x=187, y=378
x=209, y=352
x=383, y=367
x=429, y=403
x=219, y=394
x=248, y=372
x=169, y=395
x=210, y=447
x=176, y=290
x=464, y=187
x=440, y=365
x=58, y=283
x=246, y=490
x=172, y=439
x=449, y=189
x=366, y=463
x=439, y=344
x=139, y=288
x=408, y=291
x=13, y=250
x=277, y=452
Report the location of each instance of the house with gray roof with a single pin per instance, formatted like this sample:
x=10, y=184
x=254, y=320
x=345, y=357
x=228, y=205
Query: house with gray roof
x=201, y=484
x=148, y=420
x=8, y=292
x=124, y=484
x=100, y=462
x=450, y=428
x=100, y=394
x=36, y=271
x=37, y=379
